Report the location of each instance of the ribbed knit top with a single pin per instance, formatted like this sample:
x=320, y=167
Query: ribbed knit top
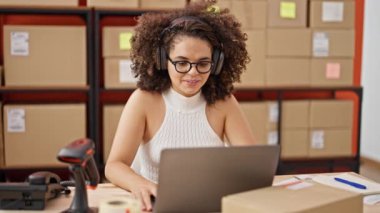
x=185, y=125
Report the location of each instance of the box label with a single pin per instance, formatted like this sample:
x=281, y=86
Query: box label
x=318, y=139
x=273, y=113
x=288, y=10
x=125, y=72
x=16, y=120
x=332, y=11
x=273, y=138
x=20, y=43
x=320, y=44
x=125, y=41
x=332, y=71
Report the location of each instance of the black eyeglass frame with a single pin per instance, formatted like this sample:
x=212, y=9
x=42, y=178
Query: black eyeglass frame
x=191, y=65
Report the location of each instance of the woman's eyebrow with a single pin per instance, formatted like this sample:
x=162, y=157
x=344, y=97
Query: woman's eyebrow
x=185, y=58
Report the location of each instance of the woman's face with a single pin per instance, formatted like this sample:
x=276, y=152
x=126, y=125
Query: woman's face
x=190, y=49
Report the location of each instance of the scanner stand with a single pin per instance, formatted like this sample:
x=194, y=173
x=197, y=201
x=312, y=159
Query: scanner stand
x=80, y=200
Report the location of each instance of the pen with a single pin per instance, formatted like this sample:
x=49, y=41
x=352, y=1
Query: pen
x=356, y=185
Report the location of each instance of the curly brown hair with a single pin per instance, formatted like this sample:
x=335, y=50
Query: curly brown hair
x=229, y=39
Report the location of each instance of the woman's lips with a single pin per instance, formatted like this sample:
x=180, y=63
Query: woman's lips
x=192, y=82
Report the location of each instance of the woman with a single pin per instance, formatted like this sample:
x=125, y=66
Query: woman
x=186, y=62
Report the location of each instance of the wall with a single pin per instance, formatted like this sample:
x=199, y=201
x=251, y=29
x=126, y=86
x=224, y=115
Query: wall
x=370, y=134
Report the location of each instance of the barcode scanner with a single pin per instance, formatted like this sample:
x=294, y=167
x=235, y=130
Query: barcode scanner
x=79, y=154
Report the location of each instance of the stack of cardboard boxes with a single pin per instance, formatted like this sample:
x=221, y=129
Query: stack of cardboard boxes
x=309, y=129
x=330, y=128
x=332, y=25
x=295, y=129
x=42, y=57
x=146, y=4
x=116, y=55
x=263, y=119
x=288, y=44
x=297, y=42
x=39, y=2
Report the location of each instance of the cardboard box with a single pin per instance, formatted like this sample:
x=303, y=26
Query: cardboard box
x=332, y=14
x=34, y=134
x=222, y=4
x=331, y=113
x=290, y=13
x=116, y=41
x=39, y=2
x=2, y=153
x=45, y=55
x=294, y=143
x=113, y=3
x=332, y=72
x=251, y=14
x=330, y=142
x=333, y=43
x=289, y=42
x=254, y=75
x=263, y=119
x=287, y=72
x=118, y=73
x=295, y=114
x=111, y=117
x=162, y=4
x=313, y=199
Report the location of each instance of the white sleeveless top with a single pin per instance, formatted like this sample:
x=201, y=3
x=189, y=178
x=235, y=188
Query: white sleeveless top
x=185, y=125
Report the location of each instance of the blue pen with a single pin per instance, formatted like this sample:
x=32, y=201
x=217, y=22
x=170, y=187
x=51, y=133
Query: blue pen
x=356, y=185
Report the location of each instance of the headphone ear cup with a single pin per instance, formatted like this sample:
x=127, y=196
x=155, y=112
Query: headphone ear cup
x=218, y=59
x=161, y=60
x=158, y=58
x=164, y=60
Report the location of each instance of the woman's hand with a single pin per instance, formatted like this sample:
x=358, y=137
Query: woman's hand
x=143, y=192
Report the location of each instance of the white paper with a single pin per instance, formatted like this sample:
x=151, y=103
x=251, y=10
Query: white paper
x=20, y=43
x=372, y=187
x=318, y=139
x=320, y=44
x=299, y=186
x=332, y=11
x=372, y=199
x=273, y=138
x=16, y=120
x=273, y=113
x=287, y=182
x=125, y=72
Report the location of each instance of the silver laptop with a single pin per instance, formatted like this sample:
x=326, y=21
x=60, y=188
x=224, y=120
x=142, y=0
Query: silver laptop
x=196, y=179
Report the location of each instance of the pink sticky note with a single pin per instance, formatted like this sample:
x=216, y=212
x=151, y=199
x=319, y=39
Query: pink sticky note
x=332, y=70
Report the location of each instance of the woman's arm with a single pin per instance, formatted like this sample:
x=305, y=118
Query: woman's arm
x=128, y=137
x=236, y=126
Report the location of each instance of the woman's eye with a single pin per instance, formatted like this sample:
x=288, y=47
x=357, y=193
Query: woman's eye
x=182, y=63
x=204, y=64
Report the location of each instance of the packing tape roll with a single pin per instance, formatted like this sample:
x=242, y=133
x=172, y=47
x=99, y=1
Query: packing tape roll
x=120, y=205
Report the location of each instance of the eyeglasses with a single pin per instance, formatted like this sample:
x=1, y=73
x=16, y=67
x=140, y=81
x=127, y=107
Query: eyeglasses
x=185, y=66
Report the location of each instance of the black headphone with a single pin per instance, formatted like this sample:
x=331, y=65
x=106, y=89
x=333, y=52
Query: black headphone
x=161, y=60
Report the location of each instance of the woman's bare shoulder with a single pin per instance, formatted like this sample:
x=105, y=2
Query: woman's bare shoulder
x=145, y=97
x=226, y=104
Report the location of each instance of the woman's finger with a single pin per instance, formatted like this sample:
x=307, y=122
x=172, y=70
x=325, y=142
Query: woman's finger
x=146, y=200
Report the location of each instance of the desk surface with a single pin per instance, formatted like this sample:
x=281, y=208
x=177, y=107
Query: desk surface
x=107, y=190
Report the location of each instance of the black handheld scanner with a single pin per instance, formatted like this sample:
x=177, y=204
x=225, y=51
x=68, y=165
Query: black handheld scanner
x=80, y=152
